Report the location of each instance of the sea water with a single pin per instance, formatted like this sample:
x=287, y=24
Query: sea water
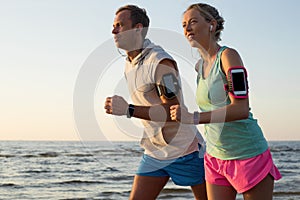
x=105, y=170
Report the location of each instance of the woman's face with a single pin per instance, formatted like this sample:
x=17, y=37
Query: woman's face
x=195, y=28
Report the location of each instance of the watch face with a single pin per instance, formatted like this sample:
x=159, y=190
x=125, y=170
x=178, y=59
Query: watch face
x=130, y=111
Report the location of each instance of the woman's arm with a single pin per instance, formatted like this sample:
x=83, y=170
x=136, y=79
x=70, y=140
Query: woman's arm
x=238, y=109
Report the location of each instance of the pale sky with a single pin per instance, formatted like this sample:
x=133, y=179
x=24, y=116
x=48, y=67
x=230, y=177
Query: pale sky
x=46, y=46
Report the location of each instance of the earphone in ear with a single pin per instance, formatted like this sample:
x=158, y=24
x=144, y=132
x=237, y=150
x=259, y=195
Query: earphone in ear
x=210, y=28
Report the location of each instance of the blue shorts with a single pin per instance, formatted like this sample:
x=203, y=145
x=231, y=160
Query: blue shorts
x=184, y=171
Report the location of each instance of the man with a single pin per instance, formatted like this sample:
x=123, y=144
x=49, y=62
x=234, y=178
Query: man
x=171, y=149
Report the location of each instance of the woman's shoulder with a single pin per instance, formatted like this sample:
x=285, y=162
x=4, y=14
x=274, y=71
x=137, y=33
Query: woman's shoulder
x=230, y=57
x=226, y=52
x=229, y=52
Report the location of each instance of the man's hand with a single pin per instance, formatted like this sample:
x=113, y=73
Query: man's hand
x=116, y=105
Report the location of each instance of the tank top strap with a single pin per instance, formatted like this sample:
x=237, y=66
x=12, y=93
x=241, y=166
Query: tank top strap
x=218, y=64
x=198, y=69
x=218, y=58
x=199, y=64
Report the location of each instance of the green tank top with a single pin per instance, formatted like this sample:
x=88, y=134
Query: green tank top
x=239, y=139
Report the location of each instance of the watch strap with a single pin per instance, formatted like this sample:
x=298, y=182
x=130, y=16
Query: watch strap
x=196, y=118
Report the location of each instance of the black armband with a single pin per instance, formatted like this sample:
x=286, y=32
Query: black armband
x=169, y=86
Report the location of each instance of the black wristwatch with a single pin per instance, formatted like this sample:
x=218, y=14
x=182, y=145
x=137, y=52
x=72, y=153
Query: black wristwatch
x=130, y=111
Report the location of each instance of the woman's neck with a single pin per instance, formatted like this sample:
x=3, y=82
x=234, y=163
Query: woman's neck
x=209, y=54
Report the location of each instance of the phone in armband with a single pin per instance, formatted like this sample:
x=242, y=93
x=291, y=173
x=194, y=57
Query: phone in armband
x=169, y=86
x=237, y=82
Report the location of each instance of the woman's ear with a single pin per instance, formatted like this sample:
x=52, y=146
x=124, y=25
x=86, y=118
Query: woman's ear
x=213, y=25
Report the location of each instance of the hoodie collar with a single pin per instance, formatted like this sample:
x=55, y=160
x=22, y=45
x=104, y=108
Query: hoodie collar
x=147, y=47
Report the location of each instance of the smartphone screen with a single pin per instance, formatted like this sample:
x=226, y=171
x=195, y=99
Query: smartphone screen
x=169, y=84
x=239, y=81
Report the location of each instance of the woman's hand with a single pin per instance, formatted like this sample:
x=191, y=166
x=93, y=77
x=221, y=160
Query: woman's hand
x=181, y=114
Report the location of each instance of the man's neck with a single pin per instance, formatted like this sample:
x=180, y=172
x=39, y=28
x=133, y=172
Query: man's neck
x=132, y=54
x=136, y=50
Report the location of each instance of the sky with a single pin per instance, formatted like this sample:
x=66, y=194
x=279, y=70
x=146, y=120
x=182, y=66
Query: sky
x=58, y=64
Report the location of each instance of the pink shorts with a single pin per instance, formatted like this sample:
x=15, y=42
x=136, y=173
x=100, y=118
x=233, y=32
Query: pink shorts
x=241, y=174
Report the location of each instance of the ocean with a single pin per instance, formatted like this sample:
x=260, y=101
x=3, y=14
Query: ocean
x=105, y=170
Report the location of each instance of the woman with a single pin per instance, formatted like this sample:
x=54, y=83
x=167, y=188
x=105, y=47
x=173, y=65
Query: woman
x=238, y=159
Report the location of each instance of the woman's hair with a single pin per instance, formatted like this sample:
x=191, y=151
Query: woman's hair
x=137, y=15
x=209, y=13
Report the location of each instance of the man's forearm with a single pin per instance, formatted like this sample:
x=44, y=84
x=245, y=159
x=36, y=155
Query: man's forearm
x=158, y=113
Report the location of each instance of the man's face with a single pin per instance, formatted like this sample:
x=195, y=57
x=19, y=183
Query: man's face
x=124, y=34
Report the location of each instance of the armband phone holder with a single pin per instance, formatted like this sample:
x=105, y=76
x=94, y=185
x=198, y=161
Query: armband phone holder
x=237, y=84
x=169, y=86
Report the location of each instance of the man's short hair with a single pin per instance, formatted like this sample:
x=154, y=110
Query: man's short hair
x=137, y=15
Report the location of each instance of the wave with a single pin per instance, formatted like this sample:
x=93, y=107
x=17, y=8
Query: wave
x=76, y=199
x=293, y=147
x=122, y=151
x=110, y=169
x=47, y=155
x=79, y=155
x=286, y=193
x=119, y=178
x=286, y=172
x=175, y=190
x=6, y=156
x=78, y=182
x=111, y=195
x=35, y=171
x=176, y=193
x=10, y=185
